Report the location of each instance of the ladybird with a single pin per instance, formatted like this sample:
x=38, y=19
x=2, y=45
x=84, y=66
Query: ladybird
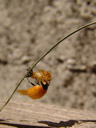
x=36, y=92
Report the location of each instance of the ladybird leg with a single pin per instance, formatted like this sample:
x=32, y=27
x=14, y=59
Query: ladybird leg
x=30, y=82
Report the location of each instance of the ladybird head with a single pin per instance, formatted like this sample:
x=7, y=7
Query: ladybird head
x=45, y=85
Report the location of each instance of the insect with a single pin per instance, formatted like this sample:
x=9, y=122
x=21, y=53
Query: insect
x=40, y=88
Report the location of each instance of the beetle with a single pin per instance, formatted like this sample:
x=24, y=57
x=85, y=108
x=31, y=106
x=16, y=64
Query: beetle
x=36, y=92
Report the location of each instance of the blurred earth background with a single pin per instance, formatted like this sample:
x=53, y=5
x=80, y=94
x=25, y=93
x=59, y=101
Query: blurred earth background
x=28, y=28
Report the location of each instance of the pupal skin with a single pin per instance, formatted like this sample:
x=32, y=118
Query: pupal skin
x=41, y=76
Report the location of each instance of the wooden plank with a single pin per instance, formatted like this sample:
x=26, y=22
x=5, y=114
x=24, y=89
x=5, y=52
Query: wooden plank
x=27, y=115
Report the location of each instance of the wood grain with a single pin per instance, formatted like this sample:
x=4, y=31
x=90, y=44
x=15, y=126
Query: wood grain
x=28, y=115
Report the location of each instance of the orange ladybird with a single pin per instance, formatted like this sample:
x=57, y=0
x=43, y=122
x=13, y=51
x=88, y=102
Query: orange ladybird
x=36, y=92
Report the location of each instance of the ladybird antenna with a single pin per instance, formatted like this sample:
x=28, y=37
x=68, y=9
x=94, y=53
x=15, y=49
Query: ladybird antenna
x=45, y=54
